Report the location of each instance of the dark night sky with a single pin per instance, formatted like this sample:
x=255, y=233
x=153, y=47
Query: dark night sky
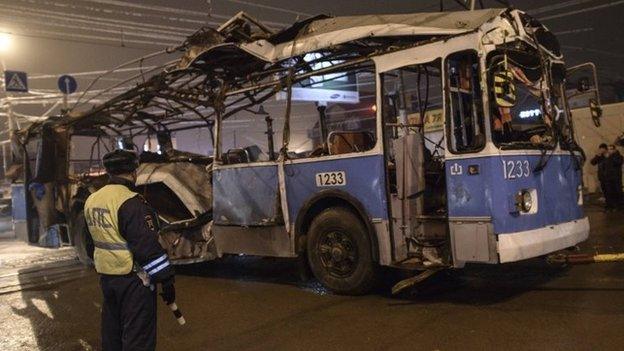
x=48, y=42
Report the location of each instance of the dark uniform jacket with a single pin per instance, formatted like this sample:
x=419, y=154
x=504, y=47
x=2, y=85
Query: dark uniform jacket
x=609, y=167
x=138, y=224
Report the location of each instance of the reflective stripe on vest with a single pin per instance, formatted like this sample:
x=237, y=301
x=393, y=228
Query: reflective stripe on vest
x=110, y=246
x=111, y=255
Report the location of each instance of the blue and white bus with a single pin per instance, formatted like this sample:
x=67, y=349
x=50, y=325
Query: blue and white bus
x=352, y=176
x=418, y=141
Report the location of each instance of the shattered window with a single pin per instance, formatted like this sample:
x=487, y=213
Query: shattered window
x=86, y=154
x=465, y=106
x=196, y=140
x=409, y=92
x=527, y=120
x=246, y=135
x=333, y=113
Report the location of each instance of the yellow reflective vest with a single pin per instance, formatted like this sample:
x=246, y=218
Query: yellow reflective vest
x=111, y=255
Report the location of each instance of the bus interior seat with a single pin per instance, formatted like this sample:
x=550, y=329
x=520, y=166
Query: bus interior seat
x=174, y=156
x=234, y=156
x=255, y=154
x=340, y=142
x=151, y=157
x=435, y=184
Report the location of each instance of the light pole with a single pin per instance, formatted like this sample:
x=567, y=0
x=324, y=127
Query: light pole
x=5, y=46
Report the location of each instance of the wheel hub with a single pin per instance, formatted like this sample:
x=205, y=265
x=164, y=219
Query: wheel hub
x=338, y=254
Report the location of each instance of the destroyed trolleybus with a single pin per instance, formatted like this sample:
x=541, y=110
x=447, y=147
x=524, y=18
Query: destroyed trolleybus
x=418, y=141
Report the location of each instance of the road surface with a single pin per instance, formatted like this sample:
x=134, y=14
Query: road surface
x=245, y=303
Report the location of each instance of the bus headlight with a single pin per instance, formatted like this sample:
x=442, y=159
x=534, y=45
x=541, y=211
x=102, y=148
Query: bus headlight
x=524, y=200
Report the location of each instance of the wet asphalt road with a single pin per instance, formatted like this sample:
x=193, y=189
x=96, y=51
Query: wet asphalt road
x=244, y=303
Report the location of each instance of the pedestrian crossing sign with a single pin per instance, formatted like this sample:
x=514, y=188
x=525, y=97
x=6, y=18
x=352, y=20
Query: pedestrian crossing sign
x=16, y=81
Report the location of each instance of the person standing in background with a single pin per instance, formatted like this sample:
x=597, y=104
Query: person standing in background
x=609, y=162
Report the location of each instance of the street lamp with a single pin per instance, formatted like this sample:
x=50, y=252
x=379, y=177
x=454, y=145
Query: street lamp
x=5, y=42
x=5, y=46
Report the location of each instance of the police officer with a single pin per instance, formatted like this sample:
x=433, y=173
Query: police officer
x=609, y=162
x=128, y=257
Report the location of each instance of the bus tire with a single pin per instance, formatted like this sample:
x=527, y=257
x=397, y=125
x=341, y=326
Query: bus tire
x=339, y=252
x=79, y=232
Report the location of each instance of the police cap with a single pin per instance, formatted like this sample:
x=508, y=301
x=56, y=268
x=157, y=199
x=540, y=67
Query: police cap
x=120, y=162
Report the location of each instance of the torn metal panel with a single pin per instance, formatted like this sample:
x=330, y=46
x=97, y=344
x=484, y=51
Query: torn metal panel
x=190, y=182
x=326, y=33
x=189, y=246
x=186, y=234
x=244, y=57
x=246, y=196
x=262, y=241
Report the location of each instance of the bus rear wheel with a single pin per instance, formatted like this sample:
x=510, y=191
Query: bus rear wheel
x=79, y=233
x=339, y=252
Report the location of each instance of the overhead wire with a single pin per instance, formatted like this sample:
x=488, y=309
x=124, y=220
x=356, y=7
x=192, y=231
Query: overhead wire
x=92, y=40
x=169, y=10
x=157, y=8
x=89, y=73
x=554, y=7
x=126, y=9
x=123, y=65
x=597, y=51
x=104, y=21
x=108, y=11
x=583, y=10
x=90, y=29
x=121, y=83
x=574, y=31
x=57, y=95
x=269, y=7
x=65, y=36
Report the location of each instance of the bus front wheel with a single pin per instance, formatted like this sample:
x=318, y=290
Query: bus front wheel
x=339, y=252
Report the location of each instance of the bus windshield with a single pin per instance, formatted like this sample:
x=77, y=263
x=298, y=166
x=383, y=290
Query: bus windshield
x=526, y=122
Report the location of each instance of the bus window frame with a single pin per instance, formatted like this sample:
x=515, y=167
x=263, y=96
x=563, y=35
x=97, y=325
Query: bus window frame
x=485, y=116
x=366, y=64
x=374, y=150
x=94, y=160
x=567, y=115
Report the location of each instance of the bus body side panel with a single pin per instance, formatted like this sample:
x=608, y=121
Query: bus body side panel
x=245, y=196
x=491, y=192
x=364, y=180
x=486, y=187
x=247, y=219
x=364, y=176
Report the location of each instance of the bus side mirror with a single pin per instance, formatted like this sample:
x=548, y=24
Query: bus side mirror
x=504, y=89
x=581, y=89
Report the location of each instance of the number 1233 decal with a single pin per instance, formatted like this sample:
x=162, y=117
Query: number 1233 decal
x=516, y=169
x=337, y=178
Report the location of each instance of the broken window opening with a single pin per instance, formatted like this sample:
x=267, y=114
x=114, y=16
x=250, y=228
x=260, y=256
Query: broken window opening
x=466, y=129
x=528, y=123
x=409, y=92
x=334, y=113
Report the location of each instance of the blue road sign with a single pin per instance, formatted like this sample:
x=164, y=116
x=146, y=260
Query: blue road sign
x=67, y=84
x=16, y=81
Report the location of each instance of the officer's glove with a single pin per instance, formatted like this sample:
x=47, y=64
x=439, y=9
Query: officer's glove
x=168, y=291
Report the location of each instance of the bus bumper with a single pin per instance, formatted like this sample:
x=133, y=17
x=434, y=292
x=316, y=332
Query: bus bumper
x=537, y=242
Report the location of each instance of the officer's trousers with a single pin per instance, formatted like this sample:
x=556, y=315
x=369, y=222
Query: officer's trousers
x=128, y=314
x=612, y=192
